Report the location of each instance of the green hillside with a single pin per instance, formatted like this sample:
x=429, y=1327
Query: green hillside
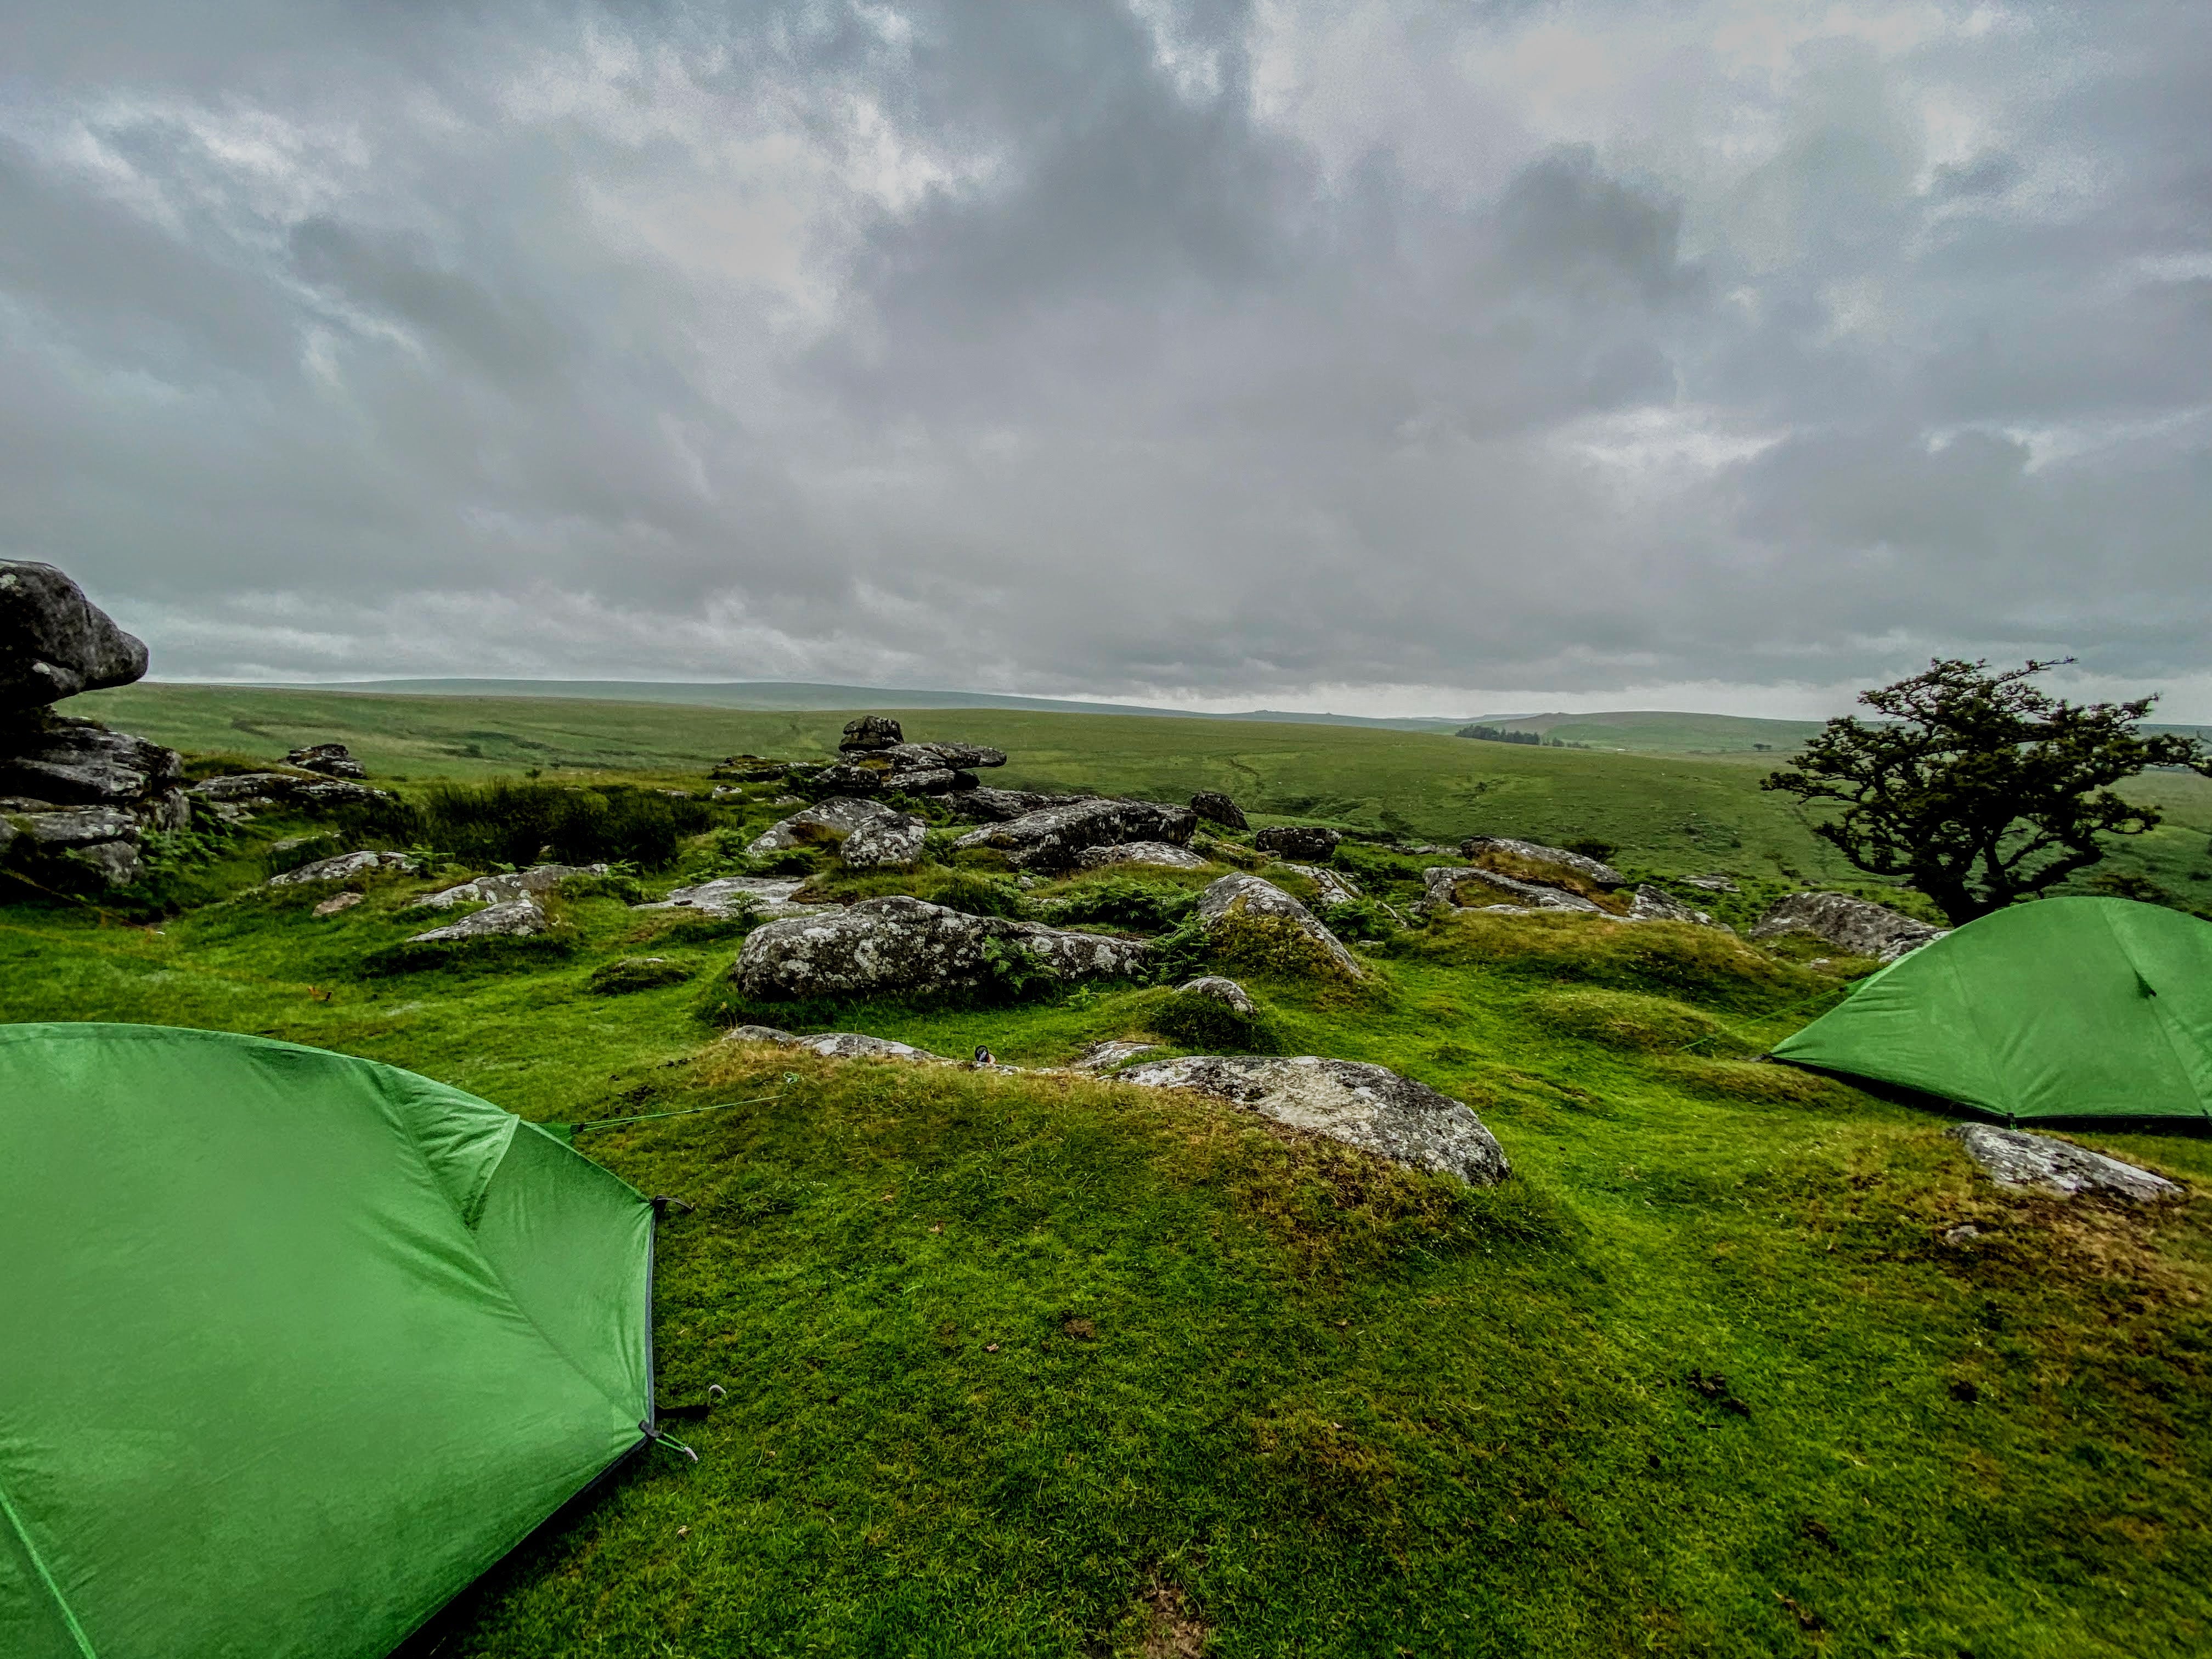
x=1660, y=731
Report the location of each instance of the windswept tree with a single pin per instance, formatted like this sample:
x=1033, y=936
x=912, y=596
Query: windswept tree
x=1980, y=788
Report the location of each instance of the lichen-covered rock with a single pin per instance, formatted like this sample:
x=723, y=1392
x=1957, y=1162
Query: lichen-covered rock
x=1240, y=900
x=78, y=763
x=901, y=943
x=838, y=1045
x=872, y=731
x=1227, y=992
x=1370, y=1107
x=886, y=843
x=500, y=889
x=1157, y=853
x=111, y=863
x=1215, y=807
x=1114, y=1051
x=824, y=822
x=79, y=826
x=1848, y=924
x=345, y=867
x=985, y=805
x=932, y=756
x=55, y=643
x=1050, y=838
x=732, y=897
x=1309, y=844
x=1532, y=861
x=245, y=786
x=1329, y=887
x=514, y=919
x=1474, y=889
x=936, y=780
x=2014, y=1158
x=844, y=779
x=1651, y=903
x=332, y=760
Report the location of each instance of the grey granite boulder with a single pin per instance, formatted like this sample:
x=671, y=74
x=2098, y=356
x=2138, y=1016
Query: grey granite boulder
x=1309, y=844
x=80, y=763
x=1848, y=923
x=885, y=843
x=111, y=863
x=901, y=943
x=1157, y=853
x=347, y=867
x=1650, y=903
x=2014, y=1158
x=1215, y=807
x=248, y=786
x=516, y=918
x=332, y=760
x=1247, y=897
x=500, y=889
x=930, y=756
x=79, y=826
x=55, y=643
x=734, y=897
x=1528, y=859
x=1051, y=838
x=935, y=781
x=1329, y=887
x=824, y=822
x=987, y=806
x=1464, y=885
x=1227, y=992
x=1105, y=1056
x=872, y=731
x=1370, y=1107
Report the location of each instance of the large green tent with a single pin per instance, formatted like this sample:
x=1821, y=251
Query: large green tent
x=2065, y=1007
x=293, y=1346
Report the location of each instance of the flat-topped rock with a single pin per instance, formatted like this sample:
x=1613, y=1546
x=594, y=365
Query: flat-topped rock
x=732, y=897
x=73, y=762
x=516, y=918
x=1850, y=924
x=1370, y=1107
x=985, y=805
x=1158, y=854
x=79, y=826
x=55, y=643
x=826, y=821
x=1244, y=898
x=930, y=756
x=2039, y=1163
x=1532, y=861
x=901, y=944
x=347, y=867
x=499, y=888
x=1051, y=837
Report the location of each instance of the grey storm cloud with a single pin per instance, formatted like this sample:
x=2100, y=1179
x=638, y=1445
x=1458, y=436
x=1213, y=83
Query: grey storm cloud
x=1402, y=355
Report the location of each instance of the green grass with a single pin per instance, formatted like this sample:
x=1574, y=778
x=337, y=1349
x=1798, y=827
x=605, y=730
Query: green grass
x=1041, y=1366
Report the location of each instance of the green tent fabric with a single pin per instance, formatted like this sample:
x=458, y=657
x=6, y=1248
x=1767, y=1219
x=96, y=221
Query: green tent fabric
x=2065, y=1007
x=293, y=1346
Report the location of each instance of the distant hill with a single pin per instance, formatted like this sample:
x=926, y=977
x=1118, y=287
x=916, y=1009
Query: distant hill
x=1650, y=730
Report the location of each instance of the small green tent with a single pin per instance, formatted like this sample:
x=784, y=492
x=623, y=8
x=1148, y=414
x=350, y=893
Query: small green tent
x=2065, y=1007
x=293, y=1346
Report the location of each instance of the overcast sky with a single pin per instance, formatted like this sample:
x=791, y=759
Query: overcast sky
x=1404, y=358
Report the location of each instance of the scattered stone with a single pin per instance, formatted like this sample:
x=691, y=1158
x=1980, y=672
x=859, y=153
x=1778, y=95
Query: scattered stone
x=1848, y=924
x=1217, y=808
x=1242, y=897
x=332, y=760
x=906, y=945
x=1651, y=903
x=1155, y=853
x=1105, y=1056
x=872, y=731
x=1488, y=852
x=55, y=643
x=1330, y=888
x=1712, y=884
x=1227, y=992
x=514, y=919
x=500, y=889
x=2040, y=1162
x=1368, y=1107
x=338, y=902
x=888, y=842
x=345, y=867
x=80, y=763
x=985, y=805
x=732, y=897
x=1309, y=844
x=824, y=822
x=1457, y=884
x=1050, y=838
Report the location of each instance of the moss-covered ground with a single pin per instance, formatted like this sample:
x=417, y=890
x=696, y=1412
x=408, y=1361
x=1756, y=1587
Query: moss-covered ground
x=1041, y=1364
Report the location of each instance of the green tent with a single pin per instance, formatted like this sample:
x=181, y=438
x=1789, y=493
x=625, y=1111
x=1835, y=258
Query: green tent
x=2065, y=1007
x=293, y=1346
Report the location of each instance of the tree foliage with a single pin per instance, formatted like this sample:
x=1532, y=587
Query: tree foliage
x=1980, y=787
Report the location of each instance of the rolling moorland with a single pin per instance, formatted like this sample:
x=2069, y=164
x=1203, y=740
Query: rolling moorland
x=1032, y=1363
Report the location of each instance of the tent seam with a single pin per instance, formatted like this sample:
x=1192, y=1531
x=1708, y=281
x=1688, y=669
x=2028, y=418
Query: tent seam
x=46, y=1577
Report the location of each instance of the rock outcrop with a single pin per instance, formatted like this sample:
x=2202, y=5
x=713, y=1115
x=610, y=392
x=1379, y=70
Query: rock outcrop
x=1158, y=854
x=838, y=1045
x=2014, y=1158
x=733, y=897
x=1370, y=1107
x=824, y=822
x=1470, y=888
x=989, y=806
x=1329, y=887
x=870, y=733
x=1650, y=903
x=55, y=643
x=347, y=867
x=75, y=763
x=1532, y=861
x=332, y=760
x=1244, y=899
x=1848, y=923
x=885, y=844
x=516, y=918
x=1308, y=843
x=501, y=889
x=1215, y=807
x=901, y=943
x=1050, y=838
x=1105, y=1056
